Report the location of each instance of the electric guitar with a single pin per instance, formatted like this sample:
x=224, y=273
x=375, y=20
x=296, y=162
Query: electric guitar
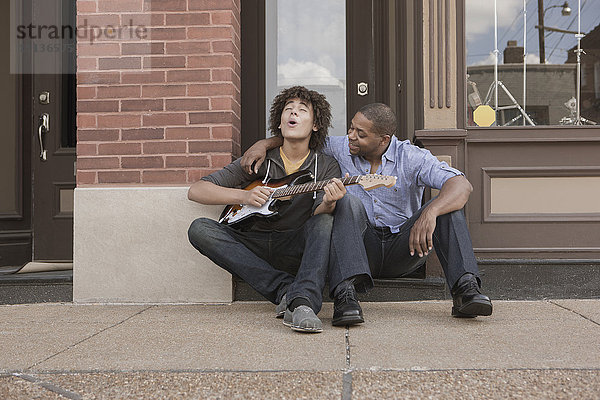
x=294, y=184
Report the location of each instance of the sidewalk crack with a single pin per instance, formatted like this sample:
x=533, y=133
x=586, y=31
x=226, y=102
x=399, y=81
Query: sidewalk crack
x=347, y=377
x=88, y=338
x=574, y=312
x=347, y=337
x=49, y=386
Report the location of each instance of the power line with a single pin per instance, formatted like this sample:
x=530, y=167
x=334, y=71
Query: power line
x=563, y=35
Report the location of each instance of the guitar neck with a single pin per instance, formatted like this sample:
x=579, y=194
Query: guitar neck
x=311, y=187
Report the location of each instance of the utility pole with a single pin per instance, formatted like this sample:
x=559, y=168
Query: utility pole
x=541, y=31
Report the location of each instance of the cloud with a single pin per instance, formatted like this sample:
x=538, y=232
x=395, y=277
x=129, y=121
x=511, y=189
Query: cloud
x=489, y=60
x=533, y=59
x=480, y=15
x=305, y=73
x=312, y=30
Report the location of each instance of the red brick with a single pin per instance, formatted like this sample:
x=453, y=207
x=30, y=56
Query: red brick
x=188, y=47
x=165, y=5
x=188, y=133
x=211, y=4
x=86, y=6
x=119, y=148
x=118, y=121
x=212, y=89
x=214, y=117
x=118, y=92
x=220, y=160
x=120, y=5
x=165, y=119
x=210, y=146
x=188, y=19
x=142, y=48
x=97, y=162
x=106, y=135
x=225, y=46
x=222, y=132
x=187, y=161
x=163, y=90
x=225, y=103
x=86, y=177
x=143, y=134
x=97, y=106
x=143, y=77
x=86, y=121
x=86, y=92
x=192, y=75
x=222, y=18
x=187, y=104
x=164, y=62
x=167, y=33
x=142, y=162
x=194, y=175
x=87, y=64
x=142, y=105
x=120, y=63
x=164, y=147
x=97, y=77
x=144, y=19
x=166, y=176
x=226, y=75
x=210, y=32
x=212, y=61
x=86, y=149
x=119, y=176
x=98, y=49
x=86, y=20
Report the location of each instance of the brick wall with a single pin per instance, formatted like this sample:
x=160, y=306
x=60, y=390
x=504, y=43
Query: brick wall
x=161, y=106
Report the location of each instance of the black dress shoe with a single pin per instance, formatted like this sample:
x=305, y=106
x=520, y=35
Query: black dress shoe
x=468, y=302
x=346, y=310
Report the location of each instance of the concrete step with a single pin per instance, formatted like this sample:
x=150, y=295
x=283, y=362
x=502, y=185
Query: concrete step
x=36, y=287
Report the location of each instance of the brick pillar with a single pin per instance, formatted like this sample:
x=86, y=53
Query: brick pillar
x=156, y=110
x=162, y=106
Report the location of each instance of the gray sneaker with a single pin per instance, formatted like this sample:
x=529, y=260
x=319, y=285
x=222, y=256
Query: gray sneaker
x=280, y=308
x=303, y=319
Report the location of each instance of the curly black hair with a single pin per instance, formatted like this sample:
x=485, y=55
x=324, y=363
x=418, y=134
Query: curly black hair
x=321, y=112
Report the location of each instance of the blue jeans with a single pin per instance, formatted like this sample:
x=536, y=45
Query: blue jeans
x=273, y=263
x=364, y=249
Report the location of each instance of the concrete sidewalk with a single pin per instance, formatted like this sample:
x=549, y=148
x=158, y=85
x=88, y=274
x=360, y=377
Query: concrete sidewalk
x=537, y=349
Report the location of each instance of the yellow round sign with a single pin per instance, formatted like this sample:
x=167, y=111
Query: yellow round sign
x=484, y=115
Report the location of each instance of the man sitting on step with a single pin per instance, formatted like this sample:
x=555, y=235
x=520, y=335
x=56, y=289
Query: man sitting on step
x=388, y=233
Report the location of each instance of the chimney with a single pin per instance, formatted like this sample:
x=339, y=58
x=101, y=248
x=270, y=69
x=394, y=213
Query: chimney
x=513, y=54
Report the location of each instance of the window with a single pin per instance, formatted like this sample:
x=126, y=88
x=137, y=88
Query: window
x=543, y=89
x=299, y=54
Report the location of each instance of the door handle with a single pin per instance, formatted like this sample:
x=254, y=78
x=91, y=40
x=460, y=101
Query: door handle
x=43, y=128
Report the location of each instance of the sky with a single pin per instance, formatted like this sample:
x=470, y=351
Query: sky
x=480, y=28
x=311, y=44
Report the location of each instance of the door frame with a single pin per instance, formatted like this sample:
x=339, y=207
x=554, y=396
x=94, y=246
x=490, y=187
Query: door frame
x=383, y=72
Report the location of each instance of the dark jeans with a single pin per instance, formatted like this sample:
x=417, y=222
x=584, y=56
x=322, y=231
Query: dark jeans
x=272, y=263
x=365, y=249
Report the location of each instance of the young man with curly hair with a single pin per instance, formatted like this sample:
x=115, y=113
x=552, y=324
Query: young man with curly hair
x=284, y=259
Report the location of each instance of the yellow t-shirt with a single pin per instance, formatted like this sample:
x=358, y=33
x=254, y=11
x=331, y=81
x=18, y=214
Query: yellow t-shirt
x=290, y=166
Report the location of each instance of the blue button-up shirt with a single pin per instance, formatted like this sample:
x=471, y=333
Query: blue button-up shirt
x=414, y=167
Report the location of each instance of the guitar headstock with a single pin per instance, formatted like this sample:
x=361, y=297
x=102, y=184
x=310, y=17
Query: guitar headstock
x=372, y=181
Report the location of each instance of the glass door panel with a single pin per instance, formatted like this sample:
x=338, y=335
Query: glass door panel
x=306, y=45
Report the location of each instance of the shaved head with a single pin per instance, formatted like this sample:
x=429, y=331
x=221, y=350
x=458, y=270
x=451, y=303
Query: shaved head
x=382, y=117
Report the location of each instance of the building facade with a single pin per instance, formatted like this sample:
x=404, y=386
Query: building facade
x=163, y=92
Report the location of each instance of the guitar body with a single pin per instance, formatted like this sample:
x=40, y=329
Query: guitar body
x=234, y=215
